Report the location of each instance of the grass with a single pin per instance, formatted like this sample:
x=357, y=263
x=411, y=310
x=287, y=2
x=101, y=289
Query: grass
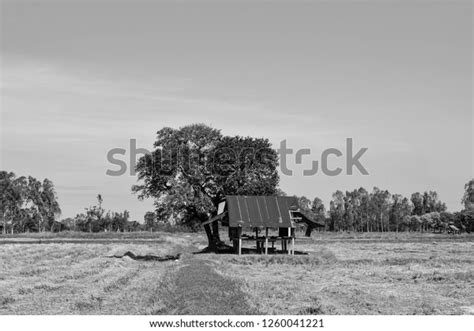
x=342, y=274
x=164, y=231
x=363, y=278
x=195, y=288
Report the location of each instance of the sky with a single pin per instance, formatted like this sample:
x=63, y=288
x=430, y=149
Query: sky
x=81, y=78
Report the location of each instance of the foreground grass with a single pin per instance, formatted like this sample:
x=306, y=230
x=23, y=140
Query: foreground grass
x=195, y=288
x=83, y=278
x=339, y=276
x=361, y=278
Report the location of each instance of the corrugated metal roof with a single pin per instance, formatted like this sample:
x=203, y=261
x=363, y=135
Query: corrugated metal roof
x=261, y=211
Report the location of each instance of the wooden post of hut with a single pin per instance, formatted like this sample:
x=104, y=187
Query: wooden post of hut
x=286, y=240
x=292, y=243
x=257, y=243
x=236, y=235
x=239, y=233
x=266, y=241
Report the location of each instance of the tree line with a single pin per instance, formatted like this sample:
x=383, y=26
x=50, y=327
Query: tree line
x=382, y=211
x=31, y=205
x=96, y=219
x=27, y=204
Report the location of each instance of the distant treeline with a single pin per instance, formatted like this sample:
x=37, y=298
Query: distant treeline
x=376, y=211
x=96, y=219
x=381, y=211
x=30, y=205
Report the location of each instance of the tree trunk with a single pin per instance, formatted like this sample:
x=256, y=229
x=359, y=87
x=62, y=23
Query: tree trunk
x=210, y=238
x=215, y=231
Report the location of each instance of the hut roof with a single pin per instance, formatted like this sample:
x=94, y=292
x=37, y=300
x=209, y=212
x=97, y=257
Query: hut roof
x=263, y=211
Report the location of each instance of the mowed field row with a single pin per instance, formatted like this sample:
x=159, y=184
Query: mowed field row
x=343, y=276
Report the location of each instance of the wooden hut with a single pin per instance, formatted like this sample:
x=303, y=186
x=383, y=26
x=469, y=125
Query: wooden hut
x=256, y=214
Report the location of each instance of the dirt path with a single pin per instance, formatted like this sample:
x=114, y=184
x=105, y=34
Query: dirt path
x=197, y=289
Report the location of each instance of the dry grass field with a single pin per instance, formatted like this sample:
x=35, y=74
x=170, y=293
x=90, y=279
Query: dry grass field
x=342, y=274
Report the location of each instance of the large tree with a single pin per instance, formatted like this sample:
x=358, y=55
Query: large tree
x=468, y=197
x=417, y=201
x=27, y=203
x=50, y=202
x=362, y=198
x=400, y=208
x=10, y=198
x=380, y=206
x=428, y=202
x=150, y=220
x=191, y=170
x=336, y=212
x=95, y=216
x=431, y=203
x=318, y=211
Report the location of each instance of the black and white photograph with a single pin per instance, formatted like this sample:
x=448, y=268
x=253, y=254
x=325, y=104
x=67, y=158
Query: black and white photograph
x=300, y=161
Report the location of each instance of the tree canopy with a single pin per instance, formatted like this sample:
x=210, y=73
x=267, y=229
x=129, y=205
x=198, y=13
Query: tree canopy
x=27, y=204
x=468, y=197
x=191, y=169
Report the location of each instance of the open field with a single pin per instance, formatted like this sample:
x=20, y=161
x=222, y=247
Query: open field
x=405, y=273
